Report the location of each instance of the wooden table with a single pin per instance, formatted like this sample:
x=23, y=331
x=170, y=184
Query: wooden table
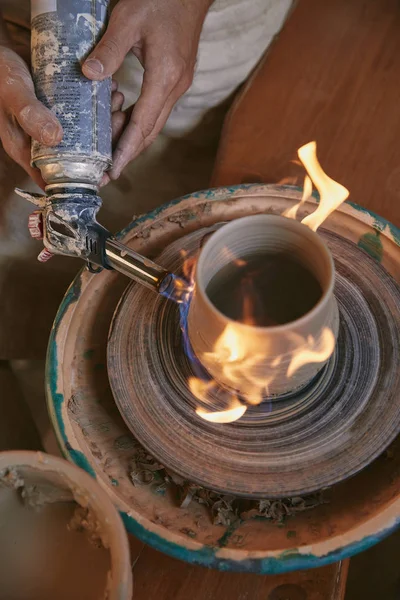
x=159, y=577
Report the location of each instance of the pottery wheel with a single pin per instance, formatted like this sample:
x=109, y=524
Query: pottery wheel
x=291, y=446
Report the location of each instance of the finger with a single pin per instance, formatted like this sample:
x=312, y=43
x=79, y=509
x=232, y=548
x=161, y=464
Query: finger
x=106, y=179
x=18, y=98
x=117, y=100
x=114, y=85
x=163, y=84
x=115, y=44
x=118, y=122
x=17, y=145
x=116, y=169
x=37, y=121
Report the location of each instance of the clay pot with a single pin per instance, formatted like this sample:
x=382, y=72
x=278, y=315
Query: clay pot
x=68, y=540
x=270, y=357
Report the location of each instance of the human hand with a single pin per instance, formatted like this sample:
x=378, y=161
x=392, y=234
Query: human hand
x=164, y=36
x=22, y=116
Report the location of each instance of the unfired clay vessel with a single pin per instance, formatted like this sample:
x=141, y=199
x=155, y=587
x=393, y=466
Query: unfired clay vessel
x=276, y=347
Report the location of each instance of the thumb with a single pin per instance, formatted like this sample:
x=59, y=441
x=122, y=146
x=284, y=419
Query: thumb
x=110, y=52
x=18, y=98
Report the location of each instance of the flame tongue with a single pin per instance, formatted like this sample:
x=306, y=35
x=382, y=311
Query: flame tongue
x=291, y=213
x=225, y=416
x=332, y=194
x=313, y=351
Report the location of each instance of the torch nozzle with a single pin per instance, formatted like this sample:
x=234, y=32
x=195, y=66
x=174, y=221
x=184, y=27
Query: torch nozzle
x=138, y=267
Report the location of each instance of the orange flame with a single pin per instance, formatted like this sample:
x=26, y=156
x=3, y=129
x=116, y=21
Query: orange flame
x=201, y=389
x=189, y=267
x=291, y=213
x=241, y=362
x=332, y=194
x=313, y=351
x=226, y=416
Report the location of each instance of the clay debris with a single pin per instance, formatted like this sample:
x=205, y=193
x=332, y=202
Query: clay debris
x=226, y=510
x=84, y=521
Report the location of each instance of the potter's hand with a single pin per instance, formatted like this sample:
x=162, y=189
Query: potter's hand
x=164, y=35
x=22, y=116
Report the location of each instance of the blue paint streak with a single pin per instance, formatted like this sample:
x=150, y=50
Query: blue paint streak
x=56, y=400
x=289, y=560
x=380, y=223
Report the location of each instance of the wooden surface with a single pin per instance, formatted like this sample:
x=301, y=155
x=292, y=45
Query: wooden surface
x=159, y=577
x=333, y=76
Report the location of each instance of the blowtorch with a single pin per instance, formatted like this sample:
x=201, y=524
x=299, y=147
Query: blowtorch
x=63, y=33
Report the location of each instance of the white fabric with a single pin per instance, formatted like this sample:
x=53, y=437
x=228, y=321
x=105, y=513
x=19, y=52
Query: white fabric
x=235, y=35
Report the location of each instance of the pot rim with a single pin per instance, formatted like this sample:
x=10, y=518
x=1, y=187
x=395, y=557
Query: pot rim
x=319, y=307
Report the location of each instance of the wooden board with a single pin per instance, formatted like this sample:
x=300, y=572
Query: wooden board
x=332, y=76
x=157, y=576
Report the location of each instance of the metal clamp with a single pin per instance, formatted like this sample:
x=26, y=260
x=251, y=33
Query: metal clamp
x=66, y=221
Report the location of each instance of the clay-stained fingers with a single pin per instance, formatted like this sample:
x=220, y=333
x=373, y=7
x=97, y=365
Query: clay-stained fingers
x=164, y=81
x=17, y=98
x=118, y=121
x=17, y=144
x=117, y=100
x=121, y=34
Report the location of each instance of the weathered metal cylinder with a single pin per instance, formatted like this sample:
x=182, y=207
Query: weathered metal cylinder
x=263, y=360
x=63, y=34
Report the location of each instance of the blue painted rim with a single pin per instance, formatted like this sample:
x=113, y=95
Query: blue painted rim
x=289, y=560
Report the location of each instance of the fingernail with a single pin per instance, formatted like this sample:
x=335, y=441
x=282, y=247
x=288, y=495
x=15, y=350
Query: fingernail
x=93, y=66
x=105, y=180
x=50, y=133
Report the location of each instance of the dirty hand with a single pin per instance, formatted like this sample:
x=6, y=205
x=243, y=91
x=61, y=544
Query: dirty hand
x=164, y=36
x=22, y=116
